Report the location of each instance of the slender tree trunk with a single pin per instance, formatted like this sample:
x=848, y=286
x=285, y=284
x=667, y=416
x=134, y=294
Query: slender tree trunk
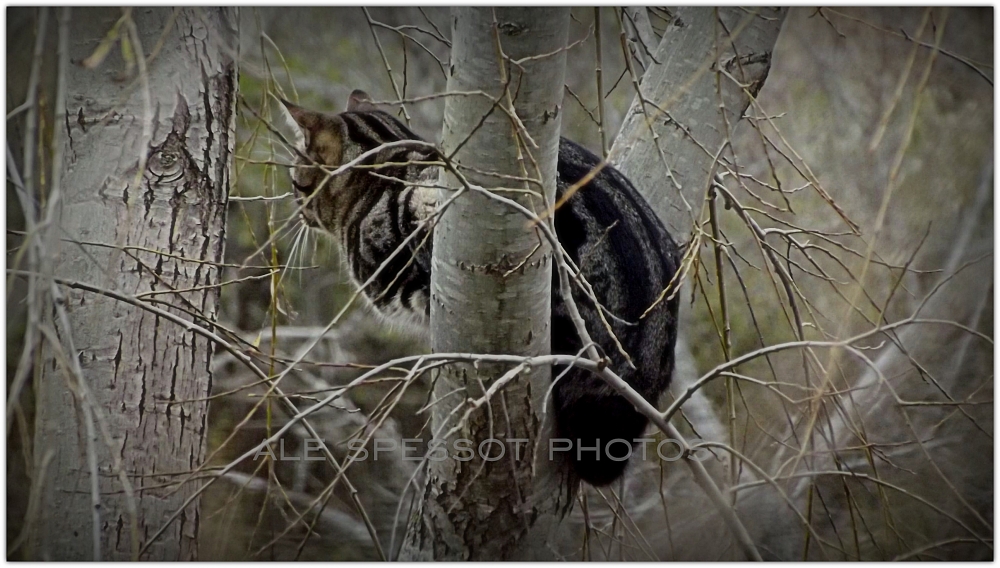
x=669, y=157
x=491, y=292
x=704, y=108
x=685, y=84
x=145, y=163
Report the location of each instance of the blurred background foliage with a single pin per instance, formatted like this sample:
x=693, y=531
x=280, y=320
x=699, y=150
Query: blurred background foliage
x=847, y=91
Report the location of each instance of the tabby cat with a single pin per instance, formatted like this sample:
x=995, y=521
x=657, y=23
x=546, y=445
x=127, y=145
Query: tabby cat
x=607, y=228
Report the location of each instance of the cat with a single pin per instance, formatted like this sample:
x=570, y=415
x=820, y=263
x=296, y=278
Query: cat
x=613, y=236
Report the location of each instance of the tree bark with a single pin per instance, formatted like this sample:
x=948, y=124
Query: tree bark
x=145, y=174
x=491, y=291
x=684, y=84
x=703, y=109
x=696, y=123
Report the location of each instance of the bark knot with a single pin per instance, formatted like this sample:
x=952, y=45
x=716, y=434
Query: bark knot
x=511, y=29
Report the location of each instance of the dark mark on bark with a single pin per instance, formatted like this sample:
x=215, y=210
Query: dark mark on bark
x=512, y=29
x=147, y=200
x=142, y=395
x=210, y=138
x=184, y=418
x=69, y=136
x=546, y=116
x=173, y=382
x=117, y=359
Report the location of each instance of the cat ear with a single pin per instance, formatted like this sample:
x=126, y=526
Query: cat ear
x=359, y=101
x=299, y=120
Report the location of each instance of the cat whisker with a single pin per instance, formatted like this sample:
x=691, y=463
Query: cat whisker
x=296, y=249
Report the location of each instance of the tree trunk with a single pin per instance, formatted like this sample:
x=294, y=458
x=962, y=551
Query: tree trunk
x=144, y=183
x=695, y=129
x=683, y=82
x=491, y=292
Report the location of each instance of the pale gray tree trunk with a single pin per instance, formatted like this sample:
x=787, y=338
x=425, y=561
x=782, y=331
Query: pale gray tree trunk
x=491, y=291
x=669, y=157
x=693, y=128
x=668, y=144
x=145, y=156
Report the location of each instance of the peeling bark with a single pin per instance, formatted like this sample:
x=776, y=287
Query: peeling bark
x=140, y=180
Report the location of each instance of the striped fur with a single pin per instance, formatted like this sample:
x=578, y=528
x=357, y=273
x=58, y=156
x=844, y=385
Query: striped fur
x=607, y=228
x=370, y=215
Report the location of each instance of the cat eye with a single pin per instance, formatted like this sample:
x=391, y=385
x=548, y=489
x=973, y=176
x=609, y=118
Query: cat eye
x=304, y=189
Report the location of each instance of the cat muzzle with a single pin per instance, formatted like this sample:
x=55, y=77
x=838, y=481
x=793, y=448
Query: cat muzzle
x=309, y=218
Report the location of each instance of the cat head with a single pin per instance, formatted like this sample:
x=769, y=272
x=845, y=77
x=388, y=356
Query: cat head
x=321, y=139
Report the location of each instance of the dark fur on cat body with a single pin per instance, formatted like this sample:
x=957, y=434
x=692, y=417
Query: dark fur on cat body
x=610, y=232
